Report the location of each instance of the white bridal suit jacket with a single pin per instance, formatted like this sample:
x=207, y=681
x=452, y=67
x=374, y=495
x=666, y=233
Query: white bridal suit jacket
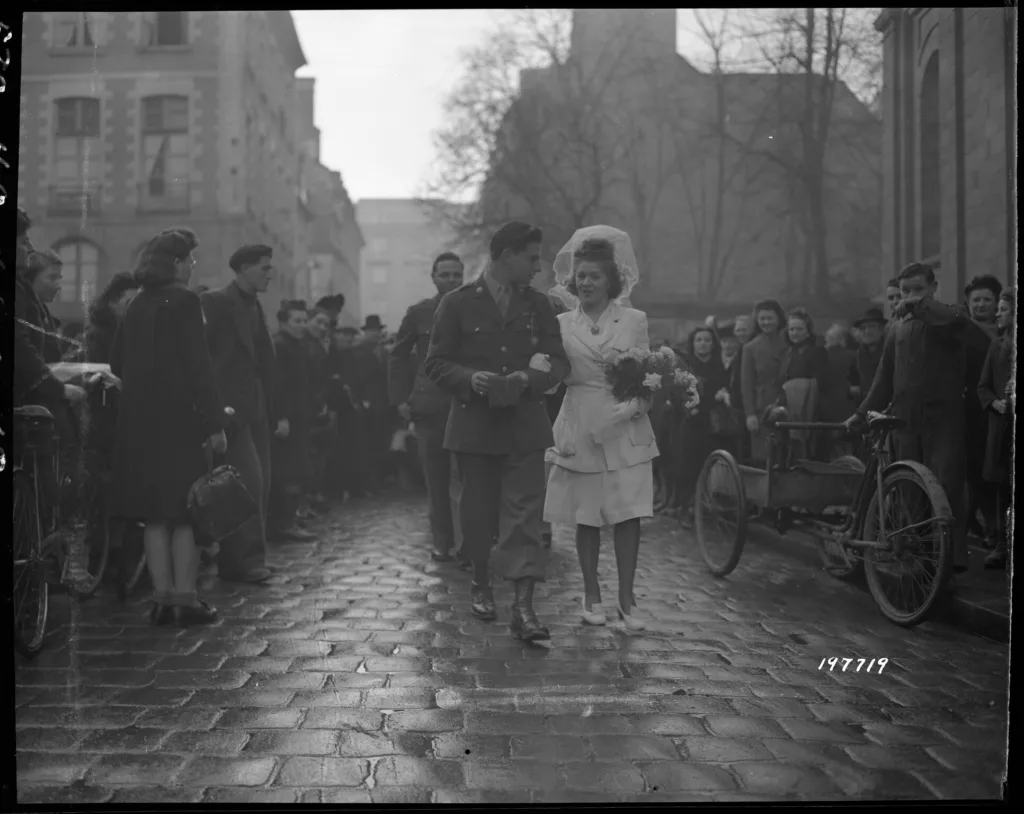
x=589, y=403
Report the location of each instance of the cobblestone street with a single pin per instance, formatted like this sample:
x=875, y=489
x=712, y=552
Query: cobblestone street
x=358, y=674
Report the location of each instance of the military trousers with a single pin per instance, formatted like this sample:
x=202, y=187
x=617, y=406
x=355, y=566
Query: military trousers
x=248, y=452
x=437, y=472
x=942, y=451
x=502, y=505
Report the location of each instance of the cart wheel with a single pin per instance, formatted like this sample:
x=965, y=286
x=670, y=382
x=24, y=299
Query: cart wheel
x=913, y=570
x=843, y=562
x=31, y=595
x=720, y=513
x=90, y=533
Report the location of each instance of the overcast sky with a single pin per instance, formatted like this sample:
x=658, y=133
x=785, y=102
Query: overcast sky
x=382, y=77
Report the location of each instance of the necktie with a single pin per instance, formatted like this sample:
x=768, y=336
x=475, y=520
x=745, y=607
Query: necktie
x=502, y=299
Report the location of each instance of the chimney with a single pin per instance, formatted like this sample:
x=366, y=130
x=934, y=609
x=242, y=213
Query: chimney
x=597, y=34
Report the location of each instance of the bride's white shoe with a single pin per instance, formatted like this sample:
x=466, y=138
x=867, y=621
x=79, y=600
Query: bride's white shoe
x=634, y=620
x=594, y=616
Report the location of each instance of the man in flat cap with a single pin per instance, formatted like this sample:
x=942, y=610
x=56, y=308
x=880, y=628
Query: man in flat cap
x=484, y=336
x=244, y=364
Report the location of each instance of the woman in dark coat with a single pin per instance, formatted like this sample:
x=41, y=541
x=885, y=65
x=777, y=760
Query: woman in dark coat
x=169, y=408
x=105, y=315
x=759, y=370
x=995, y=392
x=699, y=433
x=805, y=363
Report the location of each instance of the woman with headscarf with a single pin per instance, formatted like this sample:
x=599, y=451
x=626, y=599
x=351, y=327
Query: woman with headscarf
x=759, y=371
x=702, y=431
x=169, y=411
x=995, y=392
x=804, y=383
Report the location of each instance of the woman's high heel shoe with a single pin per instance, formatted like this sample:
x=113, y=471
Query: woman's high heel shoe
x=632, y=622
x=161, y=615
x=201, y=614
x=594, y=616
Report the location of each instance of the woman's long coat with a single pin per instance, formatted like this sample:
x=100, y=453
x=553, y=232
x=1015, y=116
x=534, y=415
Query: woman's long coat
x=759, y=380
x=994, y=384
x=169, y=405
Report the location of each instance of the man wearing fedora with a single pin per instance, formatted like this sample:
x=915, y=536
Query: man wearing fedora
x=870, y=339
x=422, y=402
x=484, y=337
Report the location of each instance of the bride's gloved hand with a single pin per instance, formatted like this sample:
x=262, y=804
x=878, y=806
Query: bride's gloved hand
x=540, y=362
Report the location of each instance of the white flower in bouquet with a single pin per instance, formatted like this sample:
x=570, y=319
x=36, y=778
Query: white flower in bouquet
x=652, y=381
x=667, y=352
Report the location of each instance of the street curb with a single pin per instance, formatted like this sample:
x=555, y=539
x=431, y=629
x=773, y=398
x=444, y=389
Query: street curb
x=968, y=612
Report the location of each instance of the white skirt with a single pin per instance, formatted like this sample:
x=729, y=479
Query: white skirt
x=599, y=498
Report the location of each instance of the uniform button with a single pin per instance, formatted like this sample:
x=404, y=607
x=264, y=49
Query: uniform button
x=504, y=350
x=504, y=370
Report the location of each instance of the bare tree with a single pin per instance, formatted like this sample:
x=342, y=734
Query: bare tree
x=815, y=52
x=532, y=132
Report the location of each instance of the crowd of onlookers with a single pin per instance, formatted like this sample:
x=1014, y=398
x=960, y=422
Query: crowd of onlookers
x=196, y=378
x=947, y=370
x=309, y=417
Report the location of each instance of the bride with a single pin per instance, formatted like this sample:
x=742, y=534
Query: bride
x=601, y=461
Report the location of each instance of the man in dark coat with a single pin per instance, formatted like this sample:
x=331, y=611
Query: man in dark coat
x=419, y=400
x=485, y=334
x=382, y=419
x=323, y=429
x=290, y=450
x=243, y=361
x=923, y=375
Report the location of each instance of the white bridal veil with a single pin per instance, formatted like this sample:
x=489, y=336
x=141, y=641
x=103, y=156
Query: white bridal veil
x=564, y=265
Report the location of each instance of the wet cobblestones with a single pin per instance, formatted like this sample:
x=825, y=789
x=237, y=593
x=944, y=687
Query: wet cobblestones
x=357, y=674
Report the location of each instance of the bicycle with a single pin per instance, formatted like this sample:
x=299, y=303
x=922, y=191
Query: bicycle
x=61, y=534
x=894, y=522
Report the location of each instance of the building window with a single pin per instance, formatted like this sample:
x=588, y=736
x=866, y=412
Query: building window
x=378, y=245
x=164, y=28
x=77, y=154
x=165, y=153
x=73, y=29
x=80, y=272
x=931, y=163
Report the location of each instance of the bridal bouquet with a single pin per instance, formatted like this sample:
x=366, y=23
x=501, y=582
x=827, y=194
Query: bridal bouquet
x=638, y=374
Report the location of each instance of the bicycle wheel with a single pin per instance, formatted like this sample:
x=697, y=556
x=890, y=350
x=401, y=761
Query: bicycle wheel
x=842, y=562
x=89, y=534
x=31, y=595
x=720, y=513
x=909, y=575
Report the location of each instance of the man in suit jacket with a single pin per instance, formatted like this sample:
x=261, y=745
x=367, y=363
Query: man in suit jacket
x=484, y=337
x=421, y=401
x=244, y=364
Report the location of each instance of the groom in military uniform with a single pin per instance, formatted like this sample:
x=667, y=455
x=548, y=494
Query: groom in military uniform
x=484, y=337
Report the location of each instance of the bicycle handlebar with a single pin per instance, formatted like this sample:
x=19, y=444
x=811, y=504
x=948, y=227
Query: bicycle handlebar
x=823, y=426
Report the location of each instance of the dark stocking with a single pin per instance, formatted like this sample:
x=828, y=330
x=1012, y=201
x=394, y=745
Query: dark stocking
x=588, y=547
x=627, y=549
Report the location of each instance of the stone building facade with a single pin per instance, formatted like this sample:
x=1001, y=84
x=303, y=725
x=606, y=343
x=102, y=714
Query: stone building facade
x=336, y=241
x=403, y=236
x=133, y=122
x=714, y=213
x=950, y=95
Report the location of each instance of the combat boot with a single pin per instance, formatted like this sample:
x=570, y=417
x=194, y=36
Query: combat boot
x=525, y=625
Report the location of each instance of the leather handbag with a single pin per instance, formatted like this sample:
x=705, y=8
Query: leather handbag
x=220, y=504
